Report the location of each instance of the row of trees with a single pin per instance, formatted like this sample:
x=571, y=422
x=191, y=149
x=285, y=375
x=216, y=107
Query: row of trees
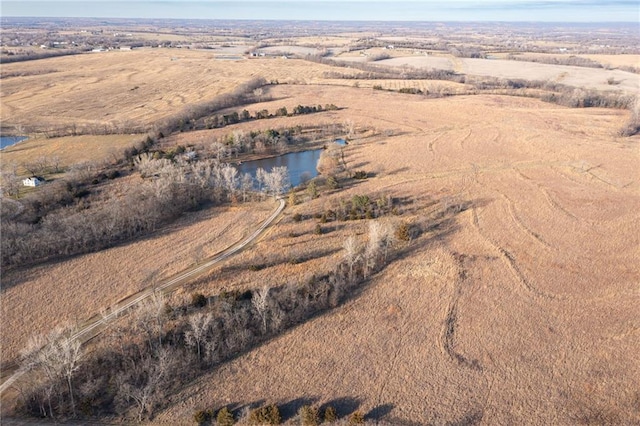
x=307, y=415
x=376, y=71
x=66, y=219
x=249, y=92
x=571, y=60
x=161, y=346
x=270, y=140
x=217, y=121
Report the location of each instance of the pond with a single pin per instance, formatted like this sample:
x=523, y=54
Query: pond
x=6, y=141
x=301, y=165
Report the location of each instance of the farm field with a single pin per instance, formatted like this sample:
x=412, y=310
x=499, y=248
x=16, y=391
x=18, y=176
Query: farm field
x=134, y=88
x=579, y=77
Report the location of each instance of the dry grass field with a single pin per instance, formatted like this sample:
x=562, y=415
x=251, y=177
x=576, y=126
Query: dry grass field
x=523, y=312
x=616, y=60
x=139, y=87
x=522, y=309
x=70, y=150
x=579, y=77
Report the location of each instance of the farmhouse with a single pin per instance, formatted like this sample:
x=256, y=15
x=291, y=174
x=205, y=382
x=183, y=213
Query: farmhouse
x=32, y=181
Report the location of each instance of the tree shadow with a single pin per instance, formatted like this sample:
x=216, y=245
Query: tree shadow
x=359, y=165
x=400, y=170
x=379, y=412
x=470, y=419
x=239, y=409
x=344, y=406
x=289, y=410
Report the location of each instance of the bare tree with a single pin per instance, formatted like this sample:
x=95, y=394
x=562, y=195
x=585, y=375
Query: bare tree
x=144, y=383
x=58, y=356
x=10, y=181
x=261, y=178
x=238, y=140
x=246, y=185
x=352, y=254
x=349, y=128
x=219, y=150
x=150, y=316
x=372, y=250
x=69, y=355
x=198, y=328
x=277, y=180
x=230, y=179
x=260, y=301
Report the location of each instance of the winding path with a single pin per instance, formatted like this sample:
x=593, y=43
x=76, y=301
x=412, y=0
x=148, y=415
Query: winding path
x=99, y=322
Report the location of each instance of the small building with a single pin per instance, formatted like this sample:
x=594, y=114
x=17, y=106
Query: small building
x=32, y=181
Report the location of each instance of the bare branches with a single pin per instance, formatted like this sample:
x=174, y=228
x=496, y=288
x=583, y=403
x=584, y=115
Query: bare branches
x=198, y=327
x=259, y=300
x=352, y=254
x=58, y=356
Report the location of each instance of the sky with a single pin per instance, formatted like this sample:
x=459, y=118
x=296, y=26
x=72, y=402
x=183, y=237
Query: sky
x=336, y=10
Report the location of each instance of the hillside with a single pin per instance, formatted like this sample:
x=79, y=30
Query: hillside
x=512, y=300
x=524, y=309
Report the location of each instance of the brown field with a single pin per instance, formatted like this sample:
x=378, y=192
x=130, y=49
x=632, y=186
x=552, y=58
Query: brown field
x=580, y=77
x=139, y=86
x=616, y=60
x=605, y=60
x=525, y=311
x=521, y=310
x=70, y=150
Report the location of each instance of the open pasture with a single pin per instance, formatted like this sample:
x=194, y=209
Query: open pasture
x=525, y=307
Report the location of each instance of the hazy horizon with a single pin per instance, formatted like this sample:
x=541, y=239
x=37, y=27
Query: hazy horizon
x=578, y=11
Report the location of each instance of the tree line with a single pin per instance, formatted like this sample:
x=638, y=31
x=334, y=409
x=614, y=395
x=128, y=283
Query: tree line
x=67, y=218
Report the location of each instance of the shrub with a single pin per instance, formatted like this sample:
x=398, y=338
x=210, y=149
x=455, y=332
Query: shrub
x=312, y=190
x=333, y=183
x=356, y=418
x=318, y=230
x=403, y=232
x=632, y=126
x=225, y=417
x=410, y=90
x=203, y=416
x=198, y=300
x=267, y=415
x=330, y=415
x=308, y=415
x=360, y=174
x=297, y=217
x=293, y=199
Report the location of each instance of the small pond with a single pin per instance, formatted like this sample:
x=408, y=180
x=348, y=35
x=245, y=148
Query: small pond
x=6, y=141
x=301, y=165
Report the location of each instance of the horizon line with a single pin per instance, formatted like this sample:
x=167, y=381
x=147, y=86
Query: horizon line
x=315, y=20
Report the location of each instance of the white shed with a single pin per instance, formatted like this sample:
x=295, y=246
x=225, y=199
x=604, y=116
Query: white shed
x=32, y=181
